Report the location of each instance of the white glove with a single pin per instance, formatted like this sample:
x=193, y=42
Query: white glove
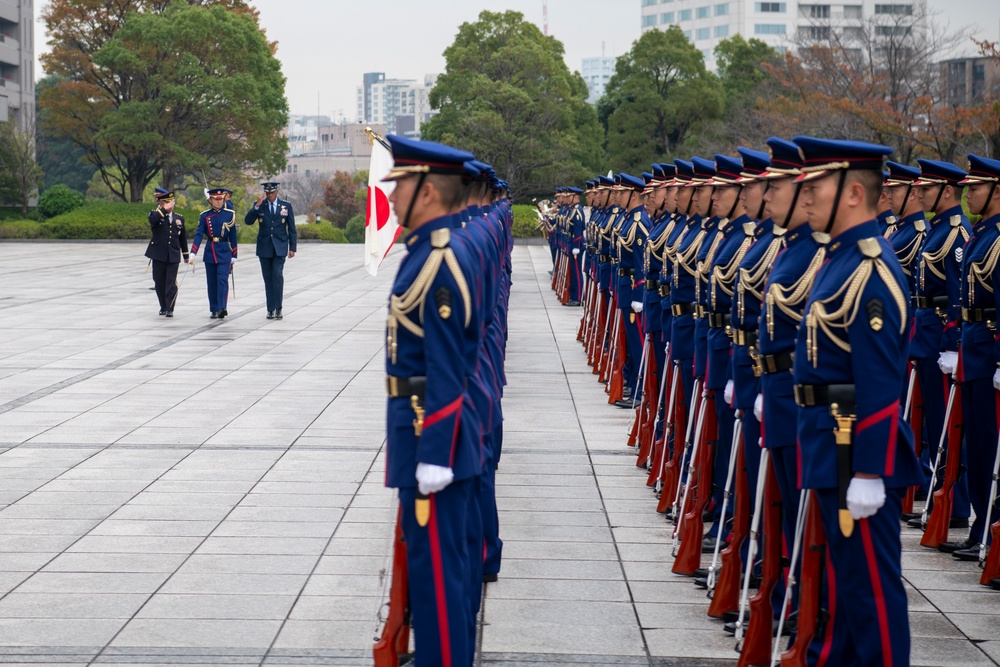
x=576, y=251
x=996, y=380
x=865, y=496
x=666, y=350
x=637, y=306
x=206, y=193
x=192, y=258
x=727, y=393
x=758, y=407
x=948, y=362
x=432, y=478
x=232, y=261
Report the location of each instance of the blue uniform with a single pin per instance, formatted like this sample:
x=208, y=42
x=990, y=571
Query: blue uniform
x=276, y=235
x=218, y=230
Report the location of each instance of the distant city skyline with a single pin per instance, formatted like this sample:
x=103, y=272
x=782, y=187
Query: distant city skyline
x=326, y=46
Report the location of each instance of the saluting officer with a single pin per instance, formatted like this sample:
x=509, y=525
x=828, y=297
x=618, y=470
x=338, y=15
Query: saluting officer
x=276, y=239
x=166, y=248
x=217, y=226
x=850, y=362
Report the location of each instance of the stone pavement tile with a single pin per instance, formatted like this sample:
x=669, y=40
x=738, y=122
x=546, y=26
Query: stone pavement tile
x=676, y=616
x=56, y=632
x=509, y=632
x=368, y=566
x=937, y=652
x=93, y=582
x=691, y=643
x=659, y=553
x=569, y=589
x=186, y=499
x=554, y=533
x=294, y=500
x=200, y=486
x=159, y=528
x=232, y=584
x=139, y=544
x=278, y=546
x=977, y=627
x=985, y=601
x=991, y=649
x=271, y=437
x=544, y=518
x=934, y=624
x=560, y=550
x=229, y=528
x=296, y=514
x=658, y=535
x=671, y=589
x=24, y=561
x=580, y=570
x=336, y=609
x=352, y=585
x=70, y=605
x=583, y=491
x=929, y=580
x=325, y=635
x=247, y=564
x=46, y=526
x=116, y=562
x=35, y=543
x=203, y=633
x=206, y=513
x=218, y=607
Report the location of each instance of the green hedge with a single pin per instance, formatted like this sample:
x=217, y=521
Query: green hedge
x=525, y=222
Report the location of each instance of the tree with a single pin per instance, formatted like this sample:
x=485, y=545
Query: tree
x=305, y=191
x=659, y=93
x=345, y=195
x=507, y=96
x=62, y=161
x=20, y=175
x=154, y=87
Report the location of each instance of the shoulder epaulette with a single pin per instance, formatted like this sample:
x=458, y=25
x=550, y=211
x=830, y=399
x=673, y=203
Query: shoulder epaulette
x=870, y=247
x=779, y=231
x=638, y=216
x=955, y=220
x=207, y=210
x=440, y=238
x=749, y=228
x=821, y=238
x=920, y=225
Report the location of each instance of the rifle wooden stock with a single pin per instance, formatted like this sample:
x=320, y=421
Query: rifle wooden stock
x=616, y=383
x=991, y=562
x=648, y=409
x=608, y=352
x=693, y=526
x=727, y=587
x=395, y=640
x=671, y=464
x=810, y=581
x=657, y=446
x=756, y=648
x=944, y=498
x=633, y=431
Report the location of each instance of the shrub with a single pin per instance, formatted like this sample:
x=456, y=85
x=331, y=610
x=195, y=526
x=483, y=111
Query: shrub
x=525, y=222
x=20, y=229
x=355, y=229
x=59, y=199
x=321, y=232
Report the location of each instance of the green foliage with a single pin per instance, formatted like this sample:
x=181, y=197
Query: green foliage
x=96, y=220
x=61, y=160
x=659, y=92
x=507, y=96
x=20, y=174
x=354, y=230
x=20, y=229
x=321, y=232
x=345, y=195
x=525, y=222
x=59, y=199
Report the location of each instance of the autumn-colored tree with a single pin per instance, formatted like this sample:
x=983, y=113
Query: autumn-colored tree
x=163, y=87
x=345, y=196
x=20, y=175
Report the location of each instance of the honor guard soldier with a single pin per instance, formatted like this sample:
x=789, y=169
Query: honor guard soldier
x=886, y=218
x=857, y=452
x=574, y=243
x=934, y=344
x=980, y=358
x=908, y=235
x=684, y=271
x=276, y=240
x=632, y=232
x=217, y=226
x=166, y=249
x=433, y=448
x=653, y=257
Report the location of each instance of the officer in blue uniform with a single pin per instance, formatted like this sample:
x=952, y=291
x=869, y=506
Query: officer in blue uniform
x=683, y=251
x=632, y=230
x=276, y=239
x=217, y=226
x=574, y=244
x=857, y=452
x=433, y=444
x=934, y=344
x=166, y=248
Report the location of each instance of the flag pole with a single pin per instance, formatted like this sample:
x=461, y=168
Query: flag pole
x=373, y=136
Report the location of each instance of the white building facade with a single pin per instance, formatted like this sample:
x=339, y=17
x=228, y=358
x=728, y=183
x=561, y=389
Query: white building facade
x=402, y=105
x=17, y=62
x=597, y=72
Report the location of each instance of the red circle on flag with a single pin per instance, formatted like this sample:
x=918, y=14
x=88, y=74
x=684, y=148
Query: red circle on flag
x=382, y=210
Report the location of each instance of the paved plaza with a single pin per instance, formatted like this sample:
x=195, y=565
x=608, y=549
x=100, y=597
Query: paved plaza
x=192, y=491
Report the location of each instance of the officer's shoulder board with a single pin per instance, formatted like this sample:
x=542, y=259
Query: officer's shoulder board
x=955, y=220
x=440, y=238
x=870, y=247
x=920, y=226
x=821, y=238
x=749, y=228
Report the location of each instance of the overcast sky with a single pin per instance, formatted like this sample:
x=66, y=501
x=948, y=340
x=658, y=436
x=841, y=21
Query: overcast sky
x=326, y=45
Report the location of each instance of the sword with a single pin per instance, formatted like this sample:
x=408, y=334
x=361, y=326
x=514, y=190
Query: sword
x=989, y=508
x=232, y=277
x=937, y=458
x=800, y=528
x=727, y=492
x=758, y=509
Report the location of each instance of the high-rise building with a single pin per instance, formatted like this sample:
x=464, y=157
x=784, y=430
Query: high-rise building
x=779, y=23
x=970, y=81
x=17, y=62
x=597, y=72
x=402, y=105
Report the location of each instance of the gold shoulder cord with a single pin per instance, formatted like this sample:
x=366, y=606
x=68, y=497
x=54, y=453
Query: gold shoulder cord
x=685, y=259
x=908, y=253
x=752, y=280
x=930, y=260
x=788, y=299
x=723, y=277
x=705, y=266
x=982, y=272
x=819, y=318
x=401, y=307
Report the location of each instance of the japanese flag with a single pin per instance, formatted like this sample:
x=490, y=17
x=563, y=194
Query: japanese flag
x=381, y=226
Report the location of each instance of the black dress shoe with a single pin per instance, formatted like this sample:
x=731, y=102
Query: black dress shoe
x=162, y=312
x=708, y=545
x=270, y=314
x=170, y=313
x=952, y=547
x=572, y=304
x=277, y=314
x=733, y=616
x=700, y=573
x=489, y=578
x=223, y=313
x=958, y=522
x=215, y=316
x=701, y=582
x=995, y=584
x=970, y=555
x=625, y=403
x=909, y=516
x=915, y=523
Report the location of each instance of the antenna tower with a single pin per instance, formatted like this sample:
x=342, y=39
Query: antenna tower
x=545, y=17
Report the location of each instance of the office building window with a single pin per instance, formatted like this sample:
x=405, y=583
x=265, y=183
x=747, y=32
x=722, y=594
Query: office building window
x=647, y=3
x=853, y=34
x=688, y=34
x=771, y=7
x=852, y=11
x=703, y=12
x=819, y=33
x=904, y=10
x=649, y=21
x=721, y=31
x=666, y=17
x=769, y=29
x=892, y=30
x=702, y=33
x=722, y=10
x=685, y=15
x=815, y=11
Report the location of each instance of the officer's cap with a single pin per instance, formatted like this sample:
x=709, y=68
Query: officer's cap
x=785, y=159
x=685, y=171
x=270, y=186
x=669, y=170
x=412, y=156
x=900, y=174
x=606, y=181
x=647, y=178
x=574, y=191
x=936, y=172
x=219, y=191
x=755, y=163
x=163, y=195
x=982, y=170
x=703, y=171
x=629, y=182
x=822, y=156
x=727, y=170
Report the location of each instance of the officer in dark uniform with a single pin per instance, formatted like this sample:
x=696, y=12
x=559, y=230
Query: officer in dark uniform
x=433, y=339
x=857, y=452
x=276, y=239
x=166, y=249
x=217, y=226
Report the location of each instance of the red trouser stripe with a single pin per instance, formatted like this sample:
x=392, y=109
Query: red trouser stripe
x=439, y=592
x=883, y=617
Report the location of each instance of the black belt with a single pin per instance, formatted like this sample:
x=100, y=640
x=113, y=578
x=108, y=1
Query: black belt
x=604, y=258
x=775, y=363
x=397, y=387
x=664, y=289
x=744, y=338
x=699, y=312
x=932, y=301
x=718, y=320
x=652, y=284
x=679, y=309
x=625, y=272
x=215, y=239
x=979, y=314
x=809, y=395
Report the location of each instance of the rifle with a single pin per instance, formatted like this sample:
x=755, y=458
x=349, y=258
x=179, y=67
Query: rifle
x=616, y=381
x=936, y=530
x=991, y=564
x=692, y=527
x=648, y=411
x=726, y=596
x=676, y=423
x=643, y=368
x=659, y=447
x=689, y=440
x=726, y=494
x=758, y=508
x=805, y=498
x=913, y=412
x=395, y=640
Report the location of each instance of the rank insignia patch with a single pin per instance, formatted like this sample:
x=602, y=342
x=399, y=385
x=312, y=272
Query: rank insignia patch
x=958, y=254
x=442, y=297
x=875, y=312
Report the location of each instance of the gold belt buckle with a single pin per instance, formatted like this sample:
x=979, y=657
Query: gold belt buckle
x=758, y=368
x=392, y=385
